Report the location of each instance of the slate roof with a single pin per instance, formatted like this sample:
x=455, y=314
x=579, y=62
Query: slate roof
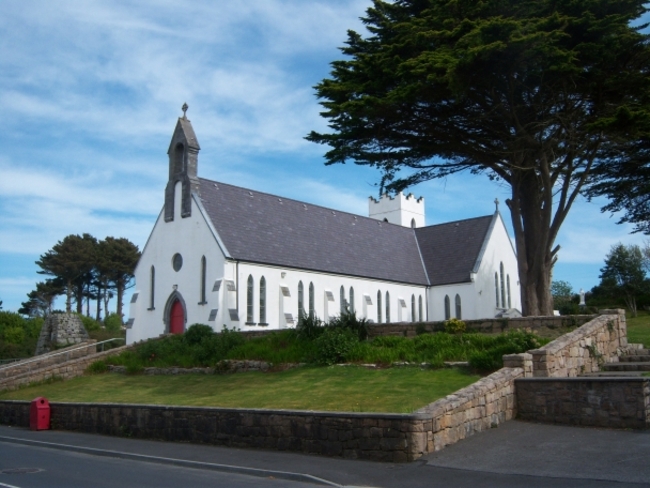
x=267, y=229
x=450, y=250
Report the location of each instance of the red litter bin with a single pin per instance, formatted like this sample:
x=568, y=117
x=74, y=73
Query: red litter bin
x=39, y=414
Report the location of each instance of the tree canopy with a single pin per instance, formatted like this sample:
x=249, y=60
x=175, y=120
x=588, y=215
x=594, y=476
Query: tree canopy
x=624, y=275
x=534, y=93
x=83, y=267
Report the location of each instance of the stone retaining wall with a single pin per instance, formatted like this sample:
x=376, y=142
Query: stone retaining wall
x=67, y=370
x=583, y=350
x=56, y=357
x=483, y=405
x=595, y=402
x=373, y=436
x=488, y=326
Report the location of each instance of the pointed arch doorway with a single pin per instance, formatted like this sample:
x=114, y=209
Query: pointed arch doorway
x=176, y=318
x=175, y=315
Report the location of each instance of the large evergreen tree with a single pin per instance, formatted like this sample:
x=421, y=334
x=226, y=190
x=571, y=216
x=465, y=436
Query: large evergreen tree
x=117, y=259
x=623, y=275
x=530, y=92
x=71, y=260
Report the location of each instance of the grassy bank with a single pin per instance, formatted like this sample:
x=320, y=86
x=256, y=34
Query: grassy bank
x=334, y=388
x=200, y=347
x=638, y=328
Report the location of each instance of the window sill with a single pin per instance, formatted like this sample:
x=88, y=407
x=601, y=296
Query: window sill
x=250, y=323
x=202, y=303
x=263, y=324
x=150, y=309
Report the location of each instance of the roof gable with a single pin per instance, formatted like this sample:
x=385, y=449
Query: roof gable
x=450, y=251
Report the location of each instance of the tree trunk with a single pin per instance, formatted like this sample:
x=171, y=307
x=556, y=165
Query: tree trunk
x=68, y=297
x=99, y=302
x=531, y=211
x=120, y=293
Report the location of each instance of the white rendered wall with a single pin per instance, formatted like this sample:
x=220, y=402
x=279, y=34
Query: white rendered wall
x=467, y=299
x=400, y=209
x=192, y=238
x=478, y=297
x=277, y=305
x=499, y=250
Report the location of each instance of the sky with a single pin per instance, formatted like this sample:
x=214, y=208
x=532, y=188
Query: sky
x=90, y=93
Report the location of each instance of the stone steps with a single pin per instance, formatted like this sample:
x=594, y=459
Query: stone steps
x=634, y=358
x=613, y=374
x=627, y=366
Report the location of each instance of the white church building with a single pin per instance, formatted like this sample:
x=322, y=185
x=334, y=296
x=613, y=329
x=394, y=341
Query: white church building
x=220, y=255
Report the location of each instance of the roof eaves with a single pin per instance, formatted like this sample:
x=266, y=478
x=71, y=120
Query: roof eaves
x=424, y=266
x=208, y=220
x=149, y=238
x=486, y=239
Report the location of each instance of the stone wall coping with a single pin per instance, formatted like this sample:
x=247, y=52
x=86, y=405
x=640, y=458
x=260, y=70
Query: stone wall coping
x=264, y=411
x=475, y=390
x=574, y=336
x=587, y=379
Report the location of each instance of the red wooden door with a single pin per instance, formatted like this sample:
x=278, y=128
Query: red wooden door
x=176, y=318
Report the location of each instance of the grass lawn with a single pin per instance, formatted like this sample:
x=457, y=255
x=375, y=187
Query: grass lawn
x=334, y=388
x=638, y=328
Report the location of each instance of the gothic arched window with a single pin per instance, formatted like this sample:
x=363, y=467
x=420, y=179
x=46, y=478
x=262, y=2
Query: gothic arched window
x=413, y=308
x=342, y=300
x=379, y=307
x=262, y=300
x=351, y=300
x=203, y=280
x=312, y=311
x=447, y=308
x=249, y=300
x=503, y=288
x=509, y=299
x=152, y=287
x=420, y=309
x=301, y=300
x=496, y=287
x=459, y=311
x=387, y=307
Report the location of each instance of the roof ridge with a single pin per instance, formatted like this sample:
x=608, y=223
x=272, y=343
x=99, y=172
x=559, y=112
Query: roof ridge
x=304, y=203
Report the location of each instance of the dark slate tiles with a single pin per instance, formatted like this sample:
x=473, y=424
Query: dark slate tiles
x=450, y=250
x=264, y=228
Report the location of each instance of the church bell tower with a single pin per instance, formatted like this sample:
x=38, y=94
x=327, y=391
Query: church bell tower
x=183, y=162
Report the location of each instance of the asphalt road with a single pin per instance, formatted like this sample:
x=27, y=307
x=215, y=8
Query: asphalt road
x=517, y=454
x=24, y=466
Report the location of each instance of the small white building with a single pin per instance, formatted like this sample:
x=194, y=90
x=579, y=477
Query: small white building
x=223, y=255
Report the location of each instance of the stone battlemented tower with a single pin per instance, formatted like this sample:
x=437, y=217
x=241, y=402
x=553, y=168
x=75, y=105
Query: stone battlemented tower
x=406, y=211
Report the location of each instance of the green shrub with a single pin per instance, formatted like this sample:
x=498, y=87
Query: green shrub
x=333, y=345
x=197, y=332
x=455, y=326
x=113, y=322
x=309, y=327
x=98, y=367
x=90, y=324
x=14, y=335
x=349, y=321
x=10, y=319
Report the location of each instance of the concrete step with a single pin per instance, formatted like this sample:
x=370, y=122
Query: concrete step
x=641, y=352
x=635, y=358
x=626, y=366
x=612, y=374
